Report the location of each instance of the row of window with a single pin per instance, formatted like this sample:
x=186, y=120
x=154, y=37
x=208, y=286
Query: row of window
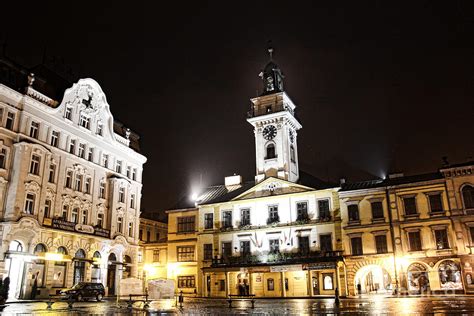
x=271, y=152
x=273, y=215
x=273, y=246
x=148, y=235
x=409, y=204
x=83, y=151
x=78, y=182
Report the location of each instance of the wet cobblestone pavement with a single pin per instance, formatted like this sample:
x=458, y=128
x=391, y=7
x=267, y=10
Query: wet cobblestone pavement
x=460, y=305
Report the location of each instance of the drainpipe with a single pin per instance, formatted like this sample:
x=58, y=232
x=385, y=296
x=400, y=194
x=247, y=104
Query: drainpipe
x=392, y=236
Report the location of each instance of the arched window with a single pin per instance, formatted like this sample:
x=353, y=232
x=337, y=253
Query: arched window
x=95, y=273
x=59, y=272
x=270, y=152
x=79, y=266
x=450, y=275
x=15, y=245
x=468, y=196
x=418, y=280
x=127, y=265
x=38, y=267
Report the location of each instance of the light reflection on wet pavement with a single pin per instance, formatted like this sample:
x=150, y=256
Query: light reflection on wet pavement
x=198, y=306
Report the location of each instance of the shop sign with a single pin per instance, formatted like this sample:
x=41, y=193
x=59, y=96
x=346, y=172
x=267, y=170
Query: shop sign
x=80, y=228
x=320, y=265
x=293, y=267
x=258, y=269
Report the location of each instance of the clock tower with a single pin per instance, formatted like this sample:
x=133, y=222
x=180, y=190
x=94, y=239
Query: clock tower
x=272, y=115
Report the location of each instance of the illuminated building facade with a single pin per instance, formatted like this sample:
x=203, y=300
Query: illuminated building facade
x=70, y=185
x=277, y=236
x=408, y=235
x=153, y=255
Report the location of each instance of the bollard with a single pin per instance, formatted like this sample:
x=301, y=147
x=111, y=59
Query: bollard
x=181, y=299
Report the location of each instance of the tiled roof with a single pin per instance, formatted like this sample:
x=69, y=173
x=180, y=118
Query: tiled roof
x=376, y=183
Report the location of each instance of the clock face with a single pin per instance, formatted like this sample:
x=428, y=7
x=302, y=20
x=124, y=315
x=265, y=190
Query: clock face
x=269, y=132
x=292, y=136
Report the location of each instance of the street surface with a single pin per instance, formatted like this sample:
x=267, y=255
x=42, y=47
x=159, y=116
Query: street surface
x=461, y=305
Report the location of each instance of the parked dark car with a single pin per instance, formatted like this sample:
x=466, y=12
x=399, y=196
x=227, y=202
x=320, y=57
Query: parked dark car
x=84, y=290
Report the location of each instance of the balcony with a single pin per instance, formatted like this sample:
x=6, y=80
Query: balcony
x=277, y=258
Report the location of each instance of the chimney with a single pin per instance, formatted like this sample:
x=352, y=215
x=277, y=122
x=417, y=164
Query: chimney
x=396, y=175
x=233, y=180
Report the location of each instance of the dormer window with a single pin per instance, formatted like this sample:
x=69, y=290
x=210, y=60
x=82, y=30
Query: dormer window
x=68, y=113
x=85, y=121
x=100, y=129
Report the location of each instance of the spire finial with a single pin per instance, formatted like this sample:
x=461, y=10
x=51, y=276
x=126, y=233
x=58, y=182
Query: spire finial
x=270, y=49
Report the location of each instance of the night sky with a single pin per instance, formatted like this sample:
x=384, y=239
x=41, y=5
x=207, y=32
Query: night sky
x=378, y=87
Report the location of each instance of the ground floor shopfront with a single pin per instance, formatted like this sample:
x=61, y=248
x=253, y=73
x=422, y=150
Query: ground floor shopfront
x=407, y=275
x=40, y=261
x=295, y=280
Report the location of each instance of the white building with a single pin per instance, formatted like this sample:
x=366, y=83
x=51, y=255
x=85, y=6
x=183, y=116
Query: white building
x=70, y=187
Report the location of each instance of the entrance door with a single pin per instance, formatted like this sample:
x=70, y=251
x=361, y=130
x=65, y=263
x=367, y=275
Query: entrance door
x=79, y=266
x=315, y=283
x=208, y=285
x=15, y=266
x=111, y=271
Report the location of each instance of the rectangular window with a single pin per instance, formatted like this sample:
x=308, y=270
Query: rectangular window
x=302, y=211
x=156, y=255
x=273, y=216
x=185, y=253
x=226, y=249
x=132, y=200
x=274, y=245
x=130, y=229
x=34, y=128
x=323, y=207
x=356, y=246
x=75, y=215
x=120, y=224
x=186, y=281
x=10, y=121
x=3, y=158
x=227, y=219
x=148, y=235
x=471, y=231
x=54, y=138
x=221, y=285
x=353, y=210
x=85, y=121
x=35, y=164
x=84, y=217
x=100, y=129
x=186, y=224
x=30, y=204
x=52, y=173
x=381, y=243
x=69, y=179
x=134, y=174
x=441, y=236
x=100, y=220
x=90, y=156
x=409, y=204
x=270, y=284
x=47, y=209
x=140, y=234
x=78, y=183
x=129, y=171
x=121, y=197
x=1, y=116
x=377, y=210
x=72, y=146
x=303, y=245
x=118, y=166
x=208, y=221
x=207, y=251
x=105, y=160
x=64, y=215
x=82, y=151
x=245, y=248
x=325, y=242
x=414, y=239
x=157, y=236
x=436, y=204
x=87, y=188
x=102, y=190
x=68, y=113
x=245, y=217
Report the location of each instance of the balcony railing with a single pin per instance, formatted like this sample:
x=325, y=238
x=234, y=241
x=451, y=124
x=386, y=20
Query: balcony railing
x=276, y=258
